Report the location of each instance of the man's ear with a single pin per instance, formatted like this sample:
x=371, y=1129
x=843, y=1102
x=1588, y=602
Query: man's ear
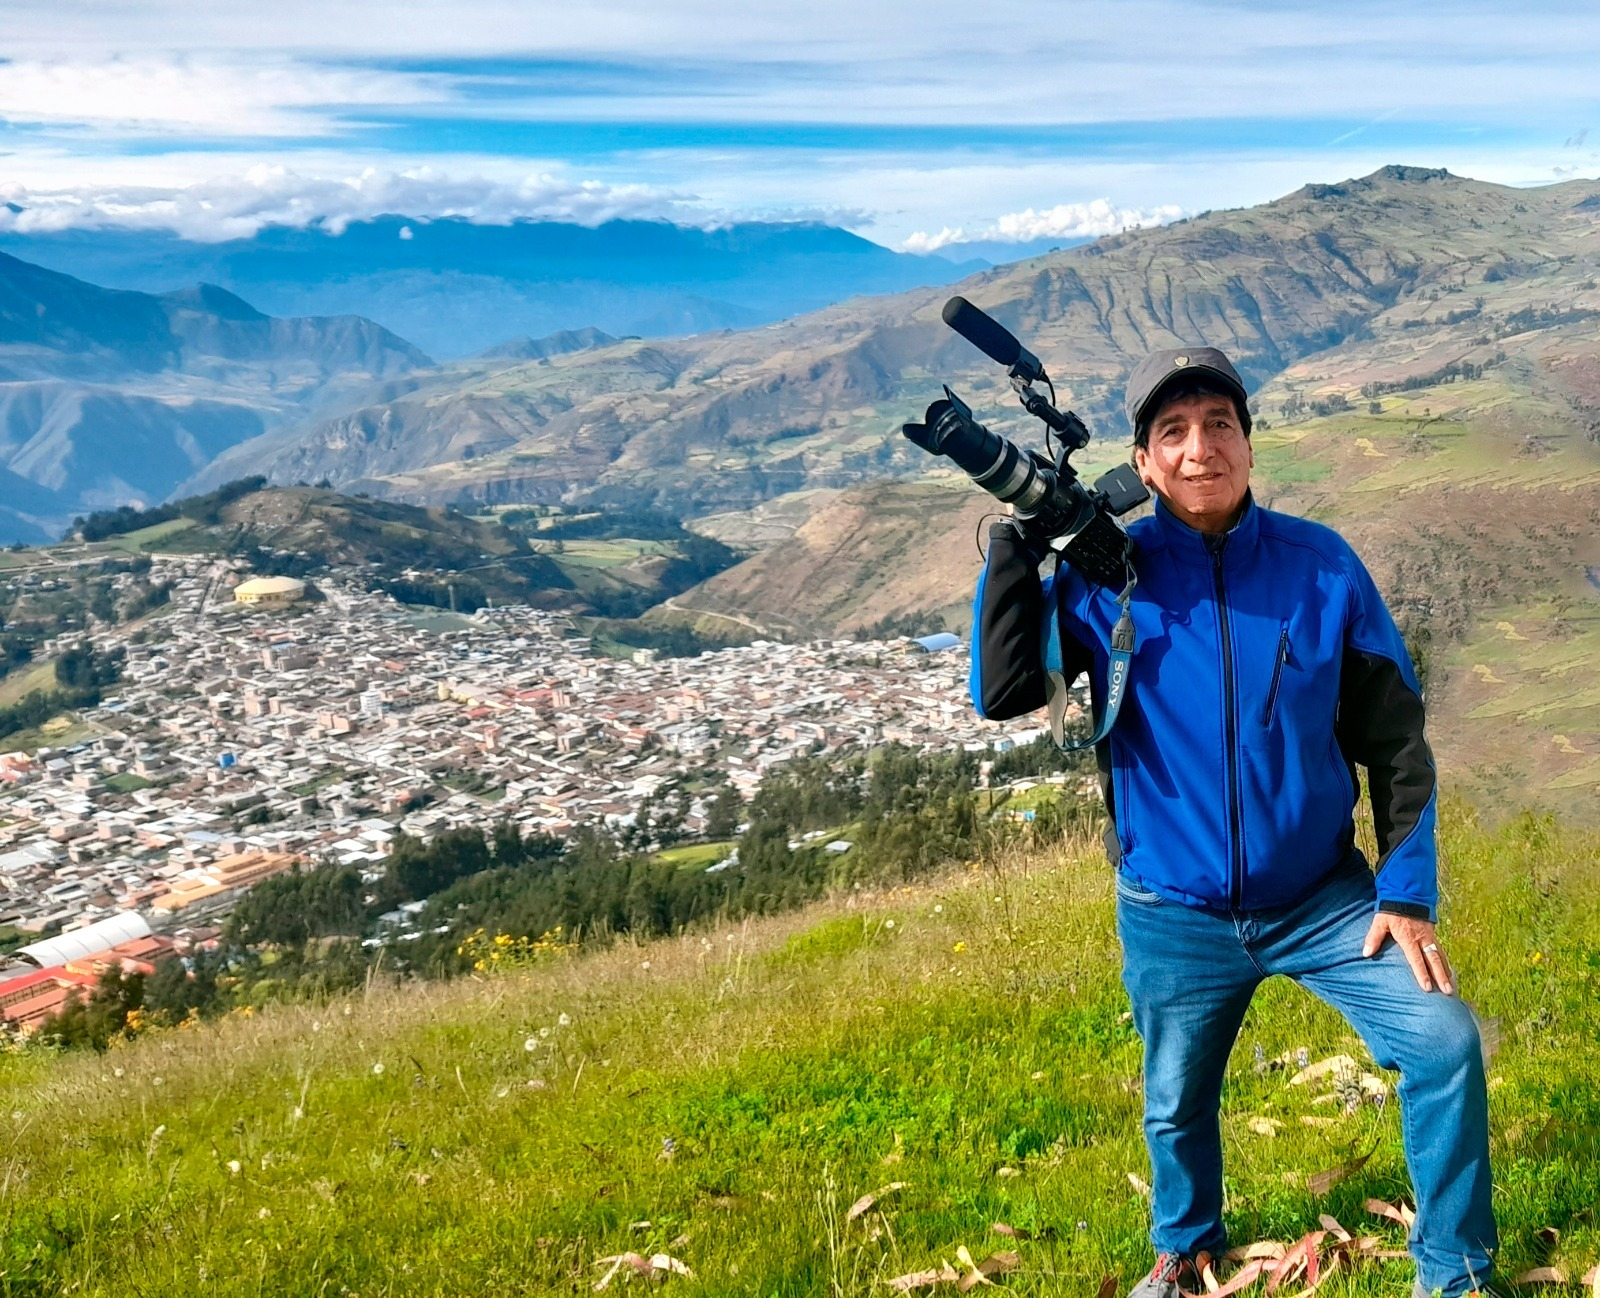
x=1141, y=462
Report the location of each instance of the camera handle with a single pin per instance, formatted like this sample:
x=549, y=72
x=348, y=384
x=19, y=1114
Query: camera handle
x=1068, y=427
x=1056, y=684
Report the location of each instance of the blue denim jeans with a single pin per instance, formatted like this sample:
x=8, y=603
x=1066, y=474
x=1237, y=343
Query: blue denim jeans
x=1191, y=974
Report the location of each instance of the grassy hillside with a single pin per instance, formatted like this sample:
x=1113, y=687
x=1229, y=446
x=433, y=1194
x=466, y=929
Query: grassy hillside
x=724, y=1097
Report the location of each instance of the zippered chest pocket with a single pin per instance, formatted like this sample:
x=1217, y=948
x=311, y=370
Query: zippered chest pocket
x=1279, y=662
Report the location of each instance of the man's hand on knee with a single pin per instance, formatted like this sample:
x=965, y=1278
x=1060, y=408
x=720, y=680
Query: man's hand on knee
x=1420, y=945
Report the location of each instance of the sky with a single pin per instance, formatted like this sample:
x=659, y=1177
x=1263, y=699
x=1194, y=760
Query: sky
x=917, y=124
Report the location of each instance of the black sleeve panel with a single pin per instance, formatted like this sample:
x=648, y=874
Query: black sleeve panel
x=1008, y=674
x=1380, y=726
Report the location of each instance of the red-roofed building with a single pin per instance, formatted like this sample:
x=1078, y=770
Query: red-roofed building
x=26, y=1002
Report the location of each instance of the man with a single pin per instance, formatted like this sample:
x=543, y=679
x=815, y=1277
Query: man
x=1266, y=668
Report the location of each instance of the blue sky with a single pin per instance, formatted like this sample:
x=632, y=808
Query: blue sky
x=915, y=123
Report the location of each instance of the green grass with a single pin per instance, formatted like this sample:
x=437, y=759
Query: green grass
x=695, y=856
x=726, y=1095
x=147, y=538
x=127, y=782
x=35, y=676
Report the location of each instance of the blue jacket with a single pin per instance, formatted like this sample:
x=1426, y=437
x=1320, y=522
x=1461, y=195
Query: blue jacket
x=1266, y=668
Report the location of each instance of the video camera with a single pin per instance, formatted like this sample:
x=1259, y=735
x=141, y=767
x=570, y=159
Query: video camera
x=1078, y=522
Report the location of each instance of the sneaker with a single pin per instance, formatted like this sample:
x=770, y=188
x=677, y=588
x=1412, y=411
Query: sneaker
x=1171, y=1273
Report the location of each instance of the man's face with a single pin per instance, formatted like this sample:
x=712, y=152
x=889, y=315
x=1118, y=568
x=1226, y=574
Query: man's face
x=1198, y=460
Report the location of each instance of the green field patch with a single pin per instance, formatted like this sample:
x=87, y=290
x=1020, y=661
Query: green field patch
x=126, y=782
x=35, y=676
x=145, y=538
x=694, y=856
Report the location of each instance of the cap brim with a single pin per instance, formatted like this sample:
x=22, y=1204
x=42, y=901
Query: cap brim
x=1152, y=399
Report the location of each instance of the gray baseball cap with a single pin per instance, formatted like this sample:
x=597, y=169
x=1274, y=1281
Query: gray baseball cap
x=1151, y=375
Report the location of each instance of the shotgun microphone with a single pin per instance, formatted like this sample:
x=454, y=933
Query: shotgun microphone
x=992, y=338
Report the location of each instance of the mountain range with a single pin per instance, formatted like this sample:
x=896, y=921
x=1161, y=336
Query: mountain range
x=109, y=397
x=724, y=421
x=455, y=287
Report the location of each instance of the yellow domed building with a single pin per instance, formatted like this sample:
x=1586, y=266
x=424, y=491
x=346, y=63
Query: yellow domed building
x=270, y=592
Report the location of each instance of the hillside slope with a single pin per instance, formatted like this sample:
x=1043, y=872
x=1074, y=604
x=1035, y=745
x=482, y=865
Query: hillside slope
x=961, y=1049
x=110, y=397
x=1389, y=268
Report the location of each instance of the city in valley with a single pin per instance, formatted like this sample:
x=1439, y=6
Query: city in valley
x=243, y=738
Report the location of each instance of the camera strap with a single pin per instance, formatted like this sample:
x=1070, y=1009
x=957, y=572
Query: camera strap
x=1057, y=693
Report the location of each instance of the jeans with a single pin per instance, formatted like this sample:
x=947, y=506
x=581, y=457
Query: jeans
x=1191, y=973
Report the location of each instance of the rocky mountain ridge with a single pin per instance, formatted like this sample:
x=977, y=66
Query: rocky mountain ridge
x=1395, y=275
x=110, y=397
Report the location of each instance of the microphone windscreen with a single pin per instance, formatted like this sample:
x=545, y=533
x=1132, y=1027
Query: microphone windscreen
x=983, y=331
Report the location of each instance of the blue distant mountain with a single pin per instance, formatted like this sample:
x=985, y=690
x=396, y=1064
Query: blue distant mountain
x=455, y=288
x=111, y=397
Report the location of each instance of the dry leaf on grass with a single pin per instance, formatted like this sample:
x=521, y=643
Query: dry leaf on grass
x=1312, y=1120
x=1339, y=1065
x=1208, y=1277
x=1265, y=1126
x=1401, y=1214
x=1592, y=1279
x=1010, y=1232
x=1108, y=1286
x=617, y=1262
x=1140, y=1185
x=978, y=1273
x=945, y=1274
x=1262, y=1248
x=974, y=1276
x=1543, y=1275
x=1323, y=1181
x=654, y=1265
x=867, y=1202
x=1332, y=1226
x=1301, y=1258
x=1241, y=1279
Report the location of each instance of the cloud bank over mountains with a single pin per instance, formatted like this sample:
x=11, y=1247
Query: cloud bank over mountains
x=925, y=120
x=1064, y=221
x=236, y=207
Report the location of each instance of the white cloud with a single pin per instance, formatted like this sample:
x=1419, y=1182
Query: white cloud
x=1064, y=221
x=237, y=206
x=203, y=95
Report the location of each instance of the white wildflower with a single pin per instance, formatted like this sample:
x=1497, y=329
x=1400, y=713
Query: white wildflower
x=377, y=1070
x=531, y=1044
x=565, y=1021
x=234, y=1166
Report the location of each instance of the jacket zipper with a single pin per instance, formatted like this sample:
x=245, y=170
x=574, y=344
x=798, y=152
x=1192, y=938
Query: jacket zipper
x=1231, y=724
x=1277, y=675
